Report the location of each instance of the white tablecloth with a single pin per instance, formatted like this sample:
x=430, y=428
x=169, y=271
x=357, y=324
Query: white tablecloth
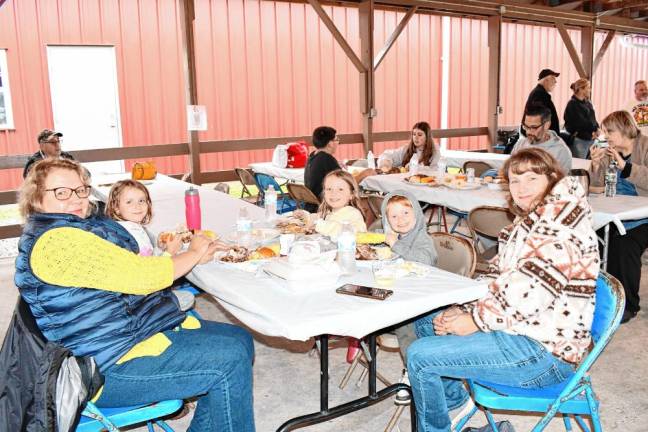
x=606, y=210
x=275, y=308
x=496, y=160
x=291, y=174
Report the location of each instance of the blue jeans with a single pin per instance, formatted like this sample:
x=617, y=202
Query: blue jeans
x=438, y=364
x=213, y=362
x=580, y=147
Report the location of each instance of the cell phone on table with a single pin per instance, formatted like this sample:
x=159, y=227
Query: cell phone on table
x=364, y=291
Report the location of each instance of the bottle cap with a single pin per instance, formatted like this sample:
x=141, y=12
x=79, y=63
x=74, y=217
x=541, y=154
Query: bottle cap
x=191, y=191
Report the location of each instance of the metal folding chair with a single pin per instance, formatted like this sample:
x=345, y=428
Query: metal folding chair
x=284, y=202
x=94, y=419
x=480, y=167
x=486, y=222
x=246, y=180
x=302, y=195
x=573, y=397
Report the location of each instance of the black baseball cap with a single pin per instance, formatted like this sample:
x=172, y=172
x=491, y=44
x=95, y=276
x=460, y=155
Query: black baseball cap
x=546, y=72
x=46, y=134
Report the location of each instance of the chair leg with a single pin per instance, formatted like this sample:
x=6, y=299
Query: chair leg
x=365, y=372
x=584, y=427
x=459, y=426
x=491, y=420
x=567, y=422
x=596, y=420
x=165, y=427
x=350, y=370
x=394, y=418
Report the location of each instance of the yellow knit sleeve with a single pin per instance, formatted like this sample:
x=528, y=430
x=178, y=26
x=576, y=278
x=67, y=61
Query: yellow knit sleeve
x=72, y=257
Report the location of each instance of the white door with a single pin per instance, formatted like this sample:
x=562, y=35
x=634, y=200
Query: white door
x=85, y=100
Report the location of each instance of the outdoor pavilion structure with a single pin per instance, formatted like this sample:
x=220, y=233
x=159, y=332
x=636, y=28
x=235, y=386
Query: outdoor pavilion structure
x=589, y=16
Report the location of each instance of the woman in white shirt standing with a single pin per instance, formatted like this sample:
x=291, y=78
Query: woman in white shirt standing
x=421, y=148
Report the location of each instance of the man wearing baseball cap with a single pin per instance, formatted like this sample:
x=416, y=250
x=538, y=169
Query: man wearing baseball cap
x=540, y=96
x=49, y=142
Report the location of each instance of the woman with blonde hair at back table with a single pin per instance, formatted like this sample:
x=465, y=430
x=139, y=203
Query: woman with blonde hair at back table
x=629, y=148
x=532, y=327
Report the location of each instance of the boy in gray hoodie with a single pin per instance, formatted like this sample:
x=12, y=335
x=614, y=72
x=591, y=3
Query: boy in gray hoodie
x=406, y=233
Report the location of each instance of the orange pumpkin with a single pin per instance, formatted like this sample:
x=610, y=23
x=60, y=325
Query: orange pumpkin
x=144, y=171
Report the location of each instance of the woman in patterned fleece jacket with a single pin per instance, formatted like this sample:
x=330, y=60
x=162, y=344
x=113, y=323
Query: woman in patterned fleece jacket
x=533, y=326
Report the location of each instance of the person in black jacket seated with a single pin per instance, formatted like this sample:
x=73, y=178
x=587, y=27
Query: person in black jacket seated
x=540, y=96
x=580, y=119
x=321, y=161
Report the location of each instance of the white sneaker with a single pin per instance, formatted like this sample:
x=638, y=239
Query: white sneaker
x=458, y=414
x=403, y=396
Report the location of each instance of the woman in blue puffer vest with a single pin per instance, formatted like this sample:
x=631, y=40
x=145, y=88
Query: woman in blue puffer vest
x=90, y=292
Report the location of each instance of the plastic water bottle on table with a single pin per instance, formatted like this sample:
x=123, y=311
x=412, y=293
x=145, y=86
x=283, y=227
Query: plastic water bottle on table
x=244, y=227
x=270, y=201
x=346, y=242
x=611, y=179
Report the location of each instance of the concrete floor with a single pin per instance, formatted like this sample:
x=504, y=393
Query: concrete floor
x=286, y=379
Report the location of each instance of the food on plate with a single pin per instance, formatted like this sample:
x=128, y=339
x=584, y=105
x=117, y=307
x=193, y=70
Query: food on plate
x=367, y=252
x=430, y=179
x=209, y=233
x=415, y=179
x=383, y=252
x=293, y=225
x=182, y=231
x=458, y=183
x=488, y=179
x=235, y=254
x=461, y=177
x=262, y=253
x=370, y=238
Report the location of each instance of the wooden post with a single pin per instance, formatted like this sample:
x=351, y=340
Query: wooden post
x=367, y=85
x=601, y=52
x=494, y=44
x=587, y=50
x=571, y=49
x=187, y=17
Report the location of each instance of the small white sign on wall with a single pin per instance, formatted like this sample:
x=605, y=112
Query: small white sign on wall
x=196, y=118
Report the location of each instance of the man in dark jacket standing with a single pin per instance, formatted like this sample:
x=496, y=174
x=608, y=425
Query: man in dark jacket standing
x=540, y=96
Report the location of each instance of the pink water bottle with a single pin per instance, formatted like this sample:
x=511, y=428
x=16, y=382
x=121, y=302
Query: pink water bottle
x=192, y=209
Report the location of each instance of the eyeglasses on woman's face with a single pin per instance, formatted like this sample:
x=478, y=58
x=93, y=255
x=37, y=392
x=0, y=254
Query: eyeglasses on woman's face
x=64, y=193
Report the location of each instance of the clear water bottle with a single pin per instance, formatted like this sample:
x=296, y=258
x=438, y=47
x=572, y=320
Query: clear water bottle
x=442, y=166
x=371, y=161
x=346, y=243
x=270, y=200
x=413, y=166
x=611, y=179
x=244, y=227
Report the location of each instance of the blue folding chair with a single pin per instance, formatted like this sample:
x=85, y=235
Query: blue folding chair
x=94, y=419
x=284, y=202
x=573, y=397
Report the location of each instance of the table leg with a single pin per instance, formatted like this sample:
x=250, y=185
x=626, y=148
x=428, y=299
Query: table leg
x=324, y=373
x=606, y=240
x=374, y=396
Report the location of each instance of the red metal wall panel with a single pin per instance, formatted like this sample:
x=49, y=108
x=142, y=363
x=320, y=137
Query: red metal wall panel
x=468, y=80
x=269, y=68
x=525, y=51
x=613, y=84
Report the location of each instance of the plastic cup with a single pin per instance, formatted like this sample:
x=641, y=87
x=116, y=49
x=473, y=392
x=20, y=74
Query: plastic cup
x=383, y=274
